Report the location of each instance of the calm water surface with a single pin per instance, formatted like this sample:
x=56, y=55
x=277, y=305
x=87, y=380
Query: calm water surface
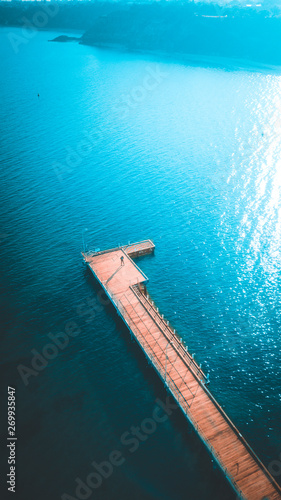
x=131, y=147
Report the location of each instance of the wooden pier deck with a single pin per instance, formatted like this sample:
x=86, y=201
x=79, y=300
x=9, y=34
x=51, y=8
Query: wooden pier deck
x=179, y=371
x=138, y=249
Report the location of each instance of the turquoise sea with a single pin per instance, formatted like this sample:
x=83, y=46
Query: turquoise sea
x=117, y=147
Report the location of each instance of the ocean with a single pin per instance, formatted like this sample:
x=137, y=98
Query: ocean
x=110, y=147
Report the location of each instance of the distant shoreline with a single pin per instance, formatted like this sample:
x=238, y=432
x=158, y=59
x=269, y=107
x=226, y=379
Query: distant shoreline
x=230, y=62
x=203, y=60
x=192, y=33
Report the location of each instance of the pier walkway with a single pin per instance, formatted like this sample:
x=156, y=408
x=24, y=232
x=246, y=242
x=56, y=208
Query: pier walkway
x=179, y=371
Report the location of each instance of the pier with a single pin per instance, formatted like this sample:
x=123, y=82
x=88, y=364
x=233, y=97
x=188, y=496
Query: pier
x=125, y=285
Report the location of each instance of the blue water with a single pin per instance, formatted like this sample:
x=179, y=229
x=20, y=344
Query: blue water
x=132, y=147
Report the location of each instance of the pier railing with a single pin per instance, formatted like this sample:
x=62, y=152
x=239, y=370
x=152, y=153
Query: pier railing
x=132, y=247
x=191, y=363
x=173, y=387
x=92, y=252
x=179, y=371
x=148, y=350
x=169, y=333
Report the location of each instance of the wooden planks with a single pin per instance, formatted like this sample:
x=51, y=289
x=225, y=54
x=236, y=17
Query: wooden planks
x=140, y=248
x=181, y=374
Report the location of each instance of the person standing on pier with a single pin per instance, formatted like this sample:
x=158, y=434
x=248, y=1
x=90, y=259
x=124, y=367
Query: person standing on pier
x=122, y=260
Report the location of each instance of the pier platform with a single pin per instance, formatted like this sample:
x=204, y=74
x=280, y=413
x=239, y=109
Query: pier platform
x=125, y=285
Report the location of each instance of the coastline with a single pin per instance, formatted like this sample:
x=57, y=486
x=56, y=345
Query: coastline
x=190, y=59
x=229, y=63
